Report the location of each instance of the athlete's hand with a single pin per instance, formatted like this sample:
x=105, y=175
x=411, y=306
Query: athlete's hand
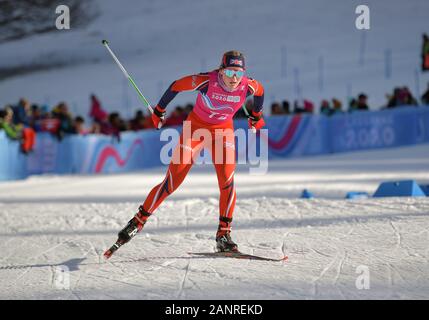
x=256, y=122
x=158, y=117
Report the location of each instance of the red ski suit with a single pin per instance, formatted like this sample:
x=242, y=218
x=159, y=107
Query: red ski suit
x=221, y=146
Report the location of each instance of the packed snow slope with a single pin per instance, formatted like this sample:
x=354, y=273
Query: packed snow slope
x=54, y=223
x=296, y=49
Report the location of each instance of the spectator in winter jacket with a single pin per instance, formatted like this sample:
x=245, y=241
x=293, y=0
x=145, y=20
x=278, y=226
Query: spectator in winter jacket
x=6, y=123
x=352, y=104
x=361, y=103
x=394, y=99
x=176, y=118
x=276, y=109
x=22, y=112
x=138, y=122
x=425, y=53
x=325, y=108
x=78, y=126
x=114, y=126
x=297, y=107
x=408, y=99
x=35, y=118
x=336, y=106
x=97, y=113
x=38, y=114
x=303, y=106
x=401, y=97
x=425, y=96
x=189, y=107
x=61, y=113
x=286, y=107
x=25, y=135
x=308, y=106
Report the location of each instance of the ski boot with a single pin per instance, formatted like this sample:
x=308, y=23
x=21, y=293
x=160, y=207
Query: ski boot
x=133, y=226
x=224, y=243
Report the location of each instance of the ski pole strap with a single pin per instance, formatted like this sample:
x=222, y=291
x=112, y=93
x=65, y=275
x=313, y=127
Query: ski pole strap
x=255, y=116
x=159, y=112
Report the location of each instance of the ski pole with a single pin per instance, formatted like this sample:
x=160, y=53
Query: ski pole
x=141, y=96
x=248, y=116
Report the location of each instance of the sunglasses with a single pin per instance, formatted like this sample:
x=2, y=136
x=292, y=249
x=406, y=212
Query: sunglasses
x=230, y=73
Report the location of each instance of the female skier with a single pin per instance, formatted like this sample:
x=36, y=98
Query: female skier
x=221, y=94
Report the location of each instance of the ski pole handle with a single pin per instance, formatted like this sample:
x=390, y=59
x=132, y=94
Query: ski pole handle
x=248, y=116
x=141, y=96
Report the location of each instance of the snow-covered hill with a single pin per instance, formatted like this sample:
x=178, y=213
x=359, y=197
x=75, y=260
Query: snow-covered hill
x=311, y=43
x=49, y=224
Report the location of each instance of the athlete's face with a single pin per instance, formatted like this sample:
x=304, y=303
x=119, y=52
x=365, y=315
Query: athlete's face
x=233, y=81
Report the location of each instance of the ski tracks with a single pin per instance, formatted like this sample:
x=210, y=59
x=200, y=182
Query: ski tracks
x=322, y=273
x=397, y=234
x=181, y=292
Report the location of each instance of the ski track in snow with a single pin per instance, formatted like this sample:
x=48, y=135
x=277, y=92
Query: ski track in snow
x=326, y=238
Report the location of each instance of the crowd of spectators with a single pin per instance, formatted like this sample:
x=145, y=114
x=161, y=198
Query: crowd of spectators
x=400, y=97
x=327, y=107
x=24, y=120
x=425, y=53
x=113, y=124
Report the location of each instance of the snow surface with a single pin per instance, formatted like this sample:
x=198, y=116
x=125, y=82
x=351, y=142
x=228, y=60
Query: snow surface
x=160, y=41
x=52, y=221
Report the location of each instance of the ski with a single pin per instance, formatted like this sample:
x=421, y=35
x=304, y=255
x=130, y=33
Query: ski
x=113, y=249
x=236, y=255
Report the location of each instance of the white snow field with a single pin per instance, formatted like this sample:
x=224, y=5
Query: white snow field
x=54, y=223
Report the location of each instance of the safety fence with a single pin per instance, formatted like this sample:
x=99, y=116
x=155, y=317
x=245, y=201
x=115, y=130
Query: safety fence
x=287, y=136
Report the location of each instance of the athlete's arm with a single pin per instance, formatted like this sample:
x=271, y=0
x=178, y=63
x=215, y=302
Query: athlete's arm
x=257, y=90
x=196, y=82
x=188, y=83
